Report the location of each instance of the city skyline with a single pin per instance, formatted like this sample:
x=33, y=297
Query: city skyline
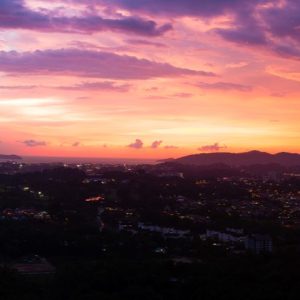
x=148, y=79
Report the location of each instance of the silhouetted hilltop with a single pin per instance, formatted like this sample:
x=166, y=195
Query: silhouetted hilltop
x=241, y=159
x=10, y=157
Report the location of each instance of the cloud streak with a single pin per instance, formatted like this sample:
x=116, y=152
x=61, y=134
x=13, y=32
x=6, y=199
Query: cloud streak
x=225, y=86
x=97, y=86
x=86, y=63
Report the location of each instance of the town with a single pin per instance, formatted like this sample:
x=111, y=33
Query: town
x=164, y=217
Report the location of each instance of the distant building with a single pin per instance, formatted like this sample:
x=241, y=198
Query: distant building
x=259, y=244
x=227, y=237
x=167, y=232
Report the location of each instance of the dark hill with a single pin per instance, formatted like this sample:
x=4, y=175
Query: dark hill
x=10, y=157
x=241, y=159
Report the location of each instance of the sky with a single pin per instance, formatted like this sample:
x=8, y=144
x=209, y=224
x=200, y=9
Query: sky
x=149, y=78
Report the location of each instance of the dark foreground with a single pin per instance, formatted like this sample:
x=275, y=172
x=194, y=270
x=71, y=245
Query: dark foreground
x=149, y=232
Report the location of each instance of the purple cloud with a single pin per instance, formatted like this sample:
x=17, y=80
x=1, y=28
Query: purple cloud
x=138, y=144
x=267, y=24
x=171, y=147
x=33, y=143
x=283, y=21
x=16, y=15
x=290, y=50
x=87, y=63
x=260, y=23
x=173, y=8
x=225, y=86
x=274, y=28
x=156, y=144
x=247, y=35
x=211, y=148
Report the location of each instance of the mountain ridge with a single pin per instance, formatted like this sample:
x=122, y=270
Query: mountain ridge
x=240, y=159
x=10, y=157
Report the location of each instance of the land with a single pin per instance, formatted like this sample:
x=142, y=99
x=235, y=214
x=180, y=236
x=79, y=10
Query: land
x=241, y=159
x=10, y=157
x=165, y=231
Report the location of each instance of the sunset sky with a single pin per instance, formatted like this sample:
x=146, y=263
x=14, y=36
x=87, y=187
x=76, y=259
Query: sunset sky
x=149, y=78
